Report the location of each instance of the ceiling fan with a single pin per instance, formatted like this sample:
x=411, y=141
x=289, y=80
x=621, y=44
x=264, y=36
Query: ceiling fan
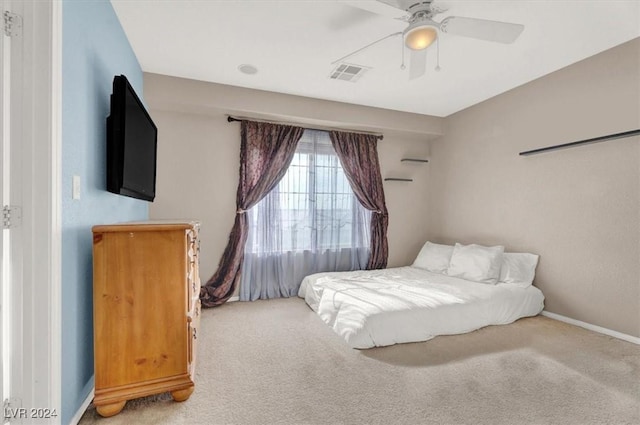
x=422, y=30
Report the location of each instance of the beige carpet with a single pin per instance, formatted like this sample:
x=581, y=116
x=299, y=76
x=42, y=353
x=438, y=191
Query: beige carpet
x=276, y=362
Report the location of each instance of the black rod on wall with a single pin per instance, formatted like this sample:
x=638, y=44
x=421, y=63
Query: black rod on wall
x=583, y=142
x=234, y=119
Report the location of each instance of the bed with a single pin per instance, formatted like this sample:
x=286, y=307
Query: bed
x=410, y=304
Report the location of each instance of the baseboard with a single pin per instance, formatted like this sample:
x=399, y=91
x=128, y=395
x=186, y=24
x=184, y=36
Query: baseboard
x=232, y=299
x=83, y=408
x=589, y=326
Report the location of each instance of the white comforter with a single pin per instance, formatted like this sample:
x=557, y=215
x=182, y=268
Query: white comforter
x=408, y=304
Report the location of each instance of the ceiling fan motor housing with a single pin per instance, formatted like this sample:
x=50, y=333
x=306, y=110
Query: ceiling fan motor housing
x=412, y=6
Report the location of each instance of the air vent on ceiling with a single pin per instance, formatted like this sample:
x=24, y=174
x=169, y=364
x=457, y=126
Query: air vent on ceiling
x=348, y=72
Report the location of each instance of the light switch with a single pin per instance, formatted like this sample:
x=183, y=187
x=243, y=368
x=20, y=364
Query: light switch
x=76, y=187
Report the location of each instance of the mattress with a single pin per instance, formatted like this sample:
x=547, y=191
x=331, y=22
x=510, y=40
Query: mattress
x=407, y=304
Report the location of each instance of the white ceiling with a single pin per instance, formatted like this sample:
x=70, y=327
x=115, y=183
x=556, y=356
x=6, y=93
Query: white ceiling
x=292, y=43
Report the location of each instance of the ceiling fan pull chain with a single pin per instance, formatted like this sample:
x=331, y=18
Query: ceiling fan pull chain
x=438, y=54
x=402, y=66
x=355, y=52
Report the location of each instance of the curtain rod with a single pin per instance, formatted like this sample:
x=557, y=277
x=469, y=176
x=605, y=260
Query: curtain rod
x=232, y=119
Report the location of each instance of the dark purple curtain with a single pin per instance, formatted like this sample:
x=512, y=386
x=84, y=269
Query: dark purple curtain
x=358, y=155
x=266, y=151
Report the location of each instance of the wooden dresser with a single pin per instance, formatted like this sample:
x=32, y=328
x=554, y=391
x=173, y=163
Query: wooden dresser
x=145, y=311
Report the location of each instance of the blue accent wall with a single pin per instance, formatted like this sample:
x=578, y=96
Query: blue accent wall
x=95, y=49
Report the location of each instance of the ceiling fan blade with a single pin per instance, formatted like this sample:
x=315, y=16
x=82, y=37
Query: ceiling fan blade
x=393, y=3
x=348, y=17
x=382, y=8
x=418, y=64
x=500, y=32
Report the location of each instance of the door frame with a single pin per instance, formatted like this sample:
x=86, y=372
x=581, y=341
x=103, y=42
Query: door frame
x=4, y=300
x=39, y=120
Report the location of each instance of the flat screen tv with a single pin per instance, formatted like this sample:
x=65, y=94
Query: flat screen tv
x=132, y=140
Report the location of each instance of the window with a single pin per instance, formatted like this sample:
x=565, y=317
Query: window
x=310, y=222
x=313, y=206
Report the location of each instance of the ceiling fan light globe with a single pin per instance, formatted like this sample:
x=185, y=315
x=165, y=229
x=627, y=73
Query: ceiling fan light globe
x=420, y=37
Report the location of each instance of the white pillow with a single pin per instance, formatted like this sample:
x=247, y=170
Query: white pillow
x=476, y=262
x=518, y=268
x=434, y=257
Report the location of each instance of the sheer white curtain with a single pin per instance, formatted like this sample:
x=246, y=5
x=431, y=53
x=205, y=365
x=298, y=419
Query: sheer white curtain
x=310, y=222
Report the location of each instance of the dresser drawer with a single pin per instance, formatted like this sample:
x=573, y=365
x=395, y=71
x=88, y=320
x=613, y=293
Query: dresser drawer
x=194, y=329
x=193, y=264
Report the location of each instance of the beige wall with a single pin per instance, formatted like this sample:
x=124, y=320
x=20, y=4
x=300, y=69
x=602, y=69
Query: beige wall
x=578, y=208
x=198, y=156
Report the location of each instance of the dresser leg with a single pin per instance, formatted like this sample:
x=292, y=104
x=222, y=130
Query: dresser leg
x=182, y=395
x=107, y=410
